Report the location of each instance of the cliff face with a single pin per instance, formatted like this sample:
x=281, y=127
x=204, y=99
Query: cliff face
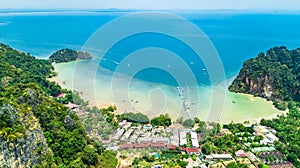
x=274, y=75
x=26, y=148
x=261, y=86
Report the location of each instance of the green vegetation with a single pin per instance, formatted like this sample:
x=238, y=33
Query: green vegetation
x=238, y=127
x=263, y=165
x=161, y=120
x=288, y=132
x=280, y=105
x=25, y=89
x=274, y=75
x=236, y=165
x=134, y=117
x=189, y=123
x=67, y=55
x=19, y=67
x=230, y=143
x=167, y=159
x=72, y=97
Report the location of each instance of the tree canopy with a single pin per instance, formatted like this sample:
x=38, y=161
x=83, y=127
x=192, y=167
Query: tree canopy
x=67, y=55
x=24, y=92
x=161, y=120
x=274, y=75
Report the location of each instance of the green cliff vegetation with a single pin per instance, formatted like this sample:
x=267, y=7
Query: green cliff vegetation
x=24, y=88
x=274, y=75
x=67, y=55
x=19, y=67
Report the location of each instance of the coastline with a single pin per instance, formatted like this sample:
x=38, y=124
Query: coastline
x=239, y=107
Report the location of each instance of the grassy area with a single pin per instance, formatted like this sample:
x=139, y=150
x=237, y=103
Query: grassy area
x=165, y=156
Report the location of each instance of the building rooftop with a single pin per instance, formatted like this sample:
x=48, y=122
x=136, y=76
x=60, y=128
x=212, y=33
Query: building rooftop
x=157, y=144
x=171, y=147
x=195, y=143
x=162, y=139
x=125, y=146
x=141, y=145
x=221, y=156
x=240, y=153
x=148, y=140
x=192, y=150
x=193, y=135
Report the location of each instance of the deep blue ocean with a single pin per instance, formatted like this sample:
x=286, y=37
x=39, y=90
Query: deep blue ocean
x=237, y=36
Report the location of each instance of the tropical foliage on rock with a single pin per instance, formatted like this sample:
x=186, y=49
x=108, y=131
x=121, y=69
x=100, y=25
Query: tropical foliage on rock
x=33, y=123
x=274, y=75
x=67, y=55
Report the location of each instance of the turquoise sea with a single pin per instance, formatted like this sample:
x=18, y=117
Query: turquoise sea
x=236, y=35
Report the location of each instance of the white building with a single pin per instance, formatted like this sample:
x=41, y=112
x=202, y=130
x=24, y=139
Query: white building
x=126, y=135
x=175, y=136
x=195, y=143
x=145, y=140
x=164, y=140
x=182, y=136
x=221, y=156
x=194, y=139
x=272, y=137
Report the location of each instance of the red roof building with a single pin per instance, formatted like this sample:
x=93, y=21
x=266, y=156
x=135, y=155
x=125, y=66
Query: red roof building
x=172, y=147
x=127, y=146
x=71, y=105
x=240, y=153
x=192, y=150
x=141, y=145
x=182, y=149
x=157, y=145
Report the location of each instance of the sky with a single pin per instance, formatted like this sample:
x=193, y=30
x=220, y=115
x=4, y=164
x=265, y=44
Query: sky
x=153, y=4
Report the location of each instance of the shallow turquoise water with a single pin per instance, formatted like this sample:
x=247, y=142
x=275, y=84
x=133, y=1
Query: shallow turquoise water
x=236, y=36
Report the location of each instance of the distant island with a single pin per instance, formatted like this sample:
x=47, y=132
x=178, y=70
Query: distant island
x=67, y=55
x=274, y=75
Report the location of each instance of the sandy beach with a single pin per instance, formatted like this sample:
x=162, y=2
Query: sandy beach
x=153, y=99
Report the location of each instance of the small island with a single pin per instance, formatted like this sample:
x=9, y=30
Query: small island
x=67, y=55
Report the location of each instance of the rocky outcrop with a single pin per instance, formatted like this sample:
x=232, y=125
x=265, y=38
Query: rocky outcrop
x=29, y=148
x=274, y=75
x=258, y=86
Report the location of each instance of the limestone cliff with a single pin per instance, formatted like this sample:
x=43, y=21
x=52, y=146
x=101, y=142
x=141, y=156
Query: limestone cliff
x=26, y=148
x=274, y=75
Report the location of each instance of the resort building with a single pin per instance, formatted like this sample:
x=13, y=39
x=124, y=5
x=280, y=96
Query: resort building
x=126, y=135
x=272, y=137
x=141, y=145
x=164, y=140
x=145, y=140
x=221, y=156
x=127, y=146
x=194, y=139
x=172, y=147
x=118, y=134
x=182, y=136
x=157, y=145
x=175, y=136
x=240, y=153
x=192, y=151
